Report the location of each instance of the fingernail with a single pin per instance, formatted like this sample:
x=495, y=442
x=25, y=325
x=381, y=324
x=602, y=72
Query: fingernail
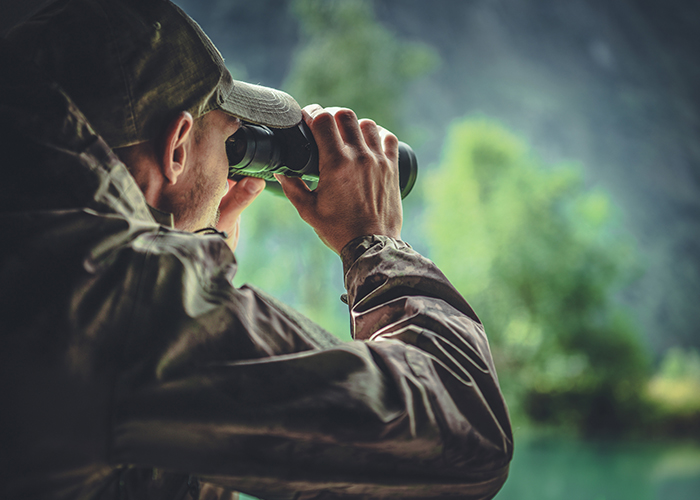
x=252, y=185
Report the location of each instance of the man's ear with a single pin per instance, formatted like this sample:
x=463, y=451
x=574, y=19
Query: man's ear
x=176, y=145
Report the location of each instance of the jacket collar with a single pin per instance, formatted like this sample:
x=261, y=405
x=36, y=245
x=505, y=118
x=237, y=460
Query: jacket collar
x=163, y=218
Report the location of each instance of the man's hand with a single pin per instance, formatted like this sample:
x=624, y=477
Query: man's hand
x=358, y=189
x=240, y=195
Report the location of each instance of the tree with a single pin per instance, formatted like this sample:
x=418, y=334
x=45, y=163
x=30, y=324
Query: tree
x=351, y=60
x=540, y=258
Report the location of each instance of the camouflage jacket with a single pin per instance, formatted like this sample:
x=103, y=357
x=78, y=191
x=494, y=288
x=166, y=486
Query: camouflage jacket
x=133, y=368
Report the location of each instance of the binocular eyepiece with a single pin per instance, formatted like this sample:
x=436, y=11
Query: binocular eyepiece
x=259, y=151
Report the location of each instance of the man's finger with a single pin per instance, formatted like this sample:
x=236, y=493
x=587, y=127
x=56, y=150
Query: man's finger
x=312, y=109
x=391, y=146
x=297, y=192
x=328, y=138
x=240, y=195
x=349, y=127
x=370, y=132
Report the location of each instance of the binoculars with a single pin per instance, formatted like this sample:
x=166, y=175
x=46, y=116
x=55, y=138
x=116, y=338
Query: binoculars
x=259, y=151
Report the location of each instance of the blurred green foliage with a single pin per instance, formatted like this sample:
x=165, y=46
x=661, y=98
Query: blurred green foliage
x=680, y=364
x=338, y=64
x=348, y=59
x=539, y=257
x=281, y=254
x=674, y=394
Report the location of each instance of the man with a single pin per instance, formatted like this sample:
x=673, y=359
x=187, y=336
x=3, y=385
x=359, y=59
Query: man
x=132, y=368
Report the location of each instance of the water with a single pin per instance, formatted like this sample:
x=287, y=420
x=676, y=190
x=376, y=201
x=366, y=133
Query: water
x=569, y=469
x=556, y=468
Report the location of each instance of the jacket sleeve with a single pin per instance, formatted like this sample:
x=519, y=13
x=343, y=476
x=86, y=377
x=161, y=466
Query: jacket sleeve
x=250, y=396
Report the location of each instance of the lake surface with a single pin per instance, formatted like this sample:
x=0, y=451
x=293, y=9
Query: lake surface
x=556, y=468
x=568, y=469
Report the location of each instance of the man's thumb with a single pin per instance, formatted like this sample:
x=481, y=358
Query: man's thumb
x=295, y=190
x=240, y=195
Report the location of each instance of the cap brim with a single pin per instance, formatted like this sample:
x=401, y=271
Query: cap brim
x=262, y=105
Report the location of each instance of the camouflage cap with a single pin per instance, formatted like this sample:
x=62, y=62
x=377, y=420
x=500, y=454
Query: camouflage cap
x=131, y=65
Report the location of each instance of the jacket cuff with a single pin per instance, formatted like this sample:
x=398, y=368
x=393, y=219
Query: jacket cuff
x=357, y=247
x=367, y=264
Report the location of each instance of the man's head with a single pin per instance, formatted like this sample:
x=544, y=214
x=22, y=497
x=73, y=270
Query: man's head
x=135, y=68
x=184, y=172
